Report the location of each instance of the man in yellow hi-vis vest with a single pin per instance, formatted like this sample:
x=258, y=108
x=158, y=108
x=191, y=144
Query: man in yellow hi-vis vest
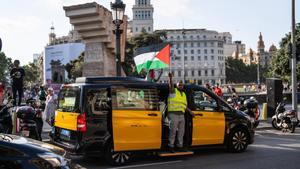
x=177, y=105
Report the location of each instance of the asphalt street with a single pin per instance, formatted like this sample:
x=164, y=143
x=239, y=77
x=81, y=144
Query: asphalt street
x=271, y=150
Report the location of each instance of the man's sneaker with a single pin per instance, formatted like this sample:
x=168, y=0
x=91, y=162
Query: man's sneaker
x=171, y=149
x=182, y=149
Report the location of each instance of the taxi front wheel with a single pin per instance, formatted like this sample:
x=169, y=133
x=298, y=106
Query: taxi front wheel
x=238, y=140
x=116, y=158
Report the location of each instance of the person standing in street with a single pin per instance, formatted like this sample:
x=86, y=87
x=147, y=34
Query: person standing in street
x=17, y=74
x=50, y=106
x=177, y=106
x=218, y=90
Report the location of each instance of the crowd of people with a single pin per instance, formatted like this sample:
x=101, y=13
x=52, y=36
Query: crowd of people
x=45, y=97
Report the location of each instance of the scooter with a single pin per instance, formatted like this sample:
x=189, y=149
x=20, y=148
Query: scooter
x=6, y=124
x=31, y=122
x=285, y=120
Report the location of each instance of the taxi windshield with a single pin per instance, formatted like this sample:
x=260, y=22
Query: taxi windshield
x=68, y=99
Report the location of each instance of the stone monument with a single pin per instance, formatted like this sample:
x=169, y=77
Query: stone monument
x=94, y=24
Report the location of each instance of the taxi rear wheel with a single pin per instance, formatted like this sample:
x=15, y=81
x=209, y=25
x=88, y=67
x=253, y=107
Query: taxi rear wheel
x=116, y=158
x=238, y=140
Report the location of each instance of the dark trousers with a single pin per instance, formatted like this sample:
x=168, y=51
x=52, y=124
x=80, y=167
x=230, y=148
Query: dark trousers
x=16, y=89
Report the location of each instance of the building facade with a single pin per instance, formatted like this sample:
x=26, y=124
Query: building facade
x=142, y=19
x=261, y=56
x=197, y=56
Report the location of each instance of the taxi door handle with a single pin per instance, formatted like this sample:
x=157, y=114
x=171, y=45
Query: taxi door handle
x=199, y=114
x=152, y=114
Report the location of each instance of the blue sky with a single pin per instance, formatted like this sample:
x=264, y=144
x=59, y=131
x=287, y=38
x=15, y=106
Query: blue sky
x=25, y=24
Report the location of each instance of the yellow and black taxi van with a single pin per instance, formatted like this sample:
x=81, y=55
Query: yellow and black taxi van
x=118, y=116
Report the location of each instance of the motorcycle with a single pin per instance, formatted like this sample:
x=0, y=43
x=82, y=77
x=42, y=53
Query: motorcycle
x=6, y=124
x=31, y=122
x=251, y=106
x=285, y=120
x=248, y=106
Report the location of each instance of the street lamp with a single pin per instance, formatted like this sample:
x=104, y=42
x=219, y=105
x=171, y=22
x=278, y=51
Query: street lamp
x=118, y=9
x=183, y=45
x=258, y=64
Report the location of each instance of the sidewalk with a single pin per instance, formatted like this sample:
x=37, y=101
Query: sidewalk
x=265, y=124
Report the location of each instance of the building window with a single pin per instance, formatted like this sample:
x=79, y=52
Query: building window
x=198, y=44
x=220, y=44
x=212, y=57
x=204, y=36
x=191, y=37
x=198, y=37
x=205, y=44
x=179, y=52
x=205, y=51
x=192, y=51
x=192, y=44
x=136, y=29
x=192, y=58
x=213, y=81
x=212, y=72
x=205, y=57
x=199, y=82
x=178, y=37
x=212, y=44
x=179, y=73
x=185, y=58
x=178, y=45
x=212, y=51
x=149, y=29
x=199, y=51
x=199, y=57
x=199, y=72
x=185, y=45
x=192, y=73
x=186, y=73
x=205, y=72
x=185, y=52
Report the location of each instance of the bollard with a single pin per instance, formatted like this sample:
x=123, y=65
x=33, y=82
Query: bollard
x=264, y=111
x=14, y=131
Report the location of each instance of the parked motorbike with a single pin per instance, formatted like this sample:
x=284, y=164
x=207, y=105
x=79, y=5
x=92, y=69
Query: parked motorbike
x=6, y=124
x=251, y=106
x=31, y=122
x=285, y=120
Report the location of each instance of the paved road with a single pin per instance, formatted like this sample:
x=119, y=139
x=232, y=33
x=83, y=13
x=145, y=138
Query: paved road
x=271, y=150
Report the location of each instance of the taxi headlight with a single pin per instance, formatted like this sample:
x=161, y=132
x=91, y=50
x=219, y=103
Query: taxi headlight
x=55, y=161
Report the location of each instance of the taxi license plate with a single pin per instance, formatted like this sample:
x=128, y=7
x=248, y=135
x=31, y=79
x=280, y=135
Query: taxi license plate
x=25, y=133
x=66, y=134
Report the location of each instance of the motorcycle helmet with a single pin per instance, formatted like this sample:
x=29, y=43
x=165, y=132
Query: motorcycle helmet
x=250, y=103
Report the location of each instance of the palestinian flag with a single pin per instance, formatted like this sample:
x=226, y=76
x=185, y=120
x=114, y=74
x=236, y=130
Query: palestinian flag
x=152, y=57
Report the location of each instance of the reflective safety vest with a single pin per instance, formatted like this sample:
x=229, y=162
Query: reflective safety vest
x=177, y=103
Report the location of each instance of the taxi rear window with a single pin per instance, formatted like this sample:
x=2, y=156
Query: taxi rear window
x=68, y=99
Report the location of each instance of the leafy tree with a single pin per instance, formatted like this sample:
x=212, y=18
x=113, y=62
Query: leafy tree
x=142, y=40
x=75, y=67
x=280, y=62
x=238, y=72
x=5, y=66
x=31, y=74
